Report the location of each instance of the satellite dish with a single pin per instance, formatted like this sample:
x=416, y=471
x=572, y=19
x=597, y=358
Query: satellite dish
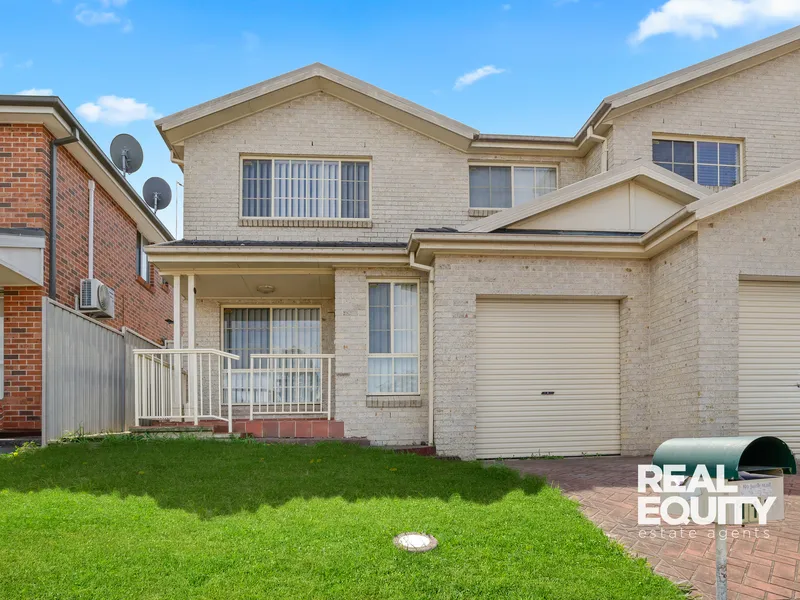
x=126, y=153
x=156, y=193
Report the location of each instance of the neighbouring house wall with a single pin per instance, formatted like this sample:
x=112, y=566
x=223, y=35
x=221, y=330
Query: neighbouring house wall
x=416, y=181
x=757, y=239
x=392, y=420
x=461, y=279
x=759, y=105
x=674, y=345
x=25, y=203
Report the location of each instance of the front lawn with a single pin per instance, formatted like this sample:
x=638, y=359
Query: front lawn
x=183, y=519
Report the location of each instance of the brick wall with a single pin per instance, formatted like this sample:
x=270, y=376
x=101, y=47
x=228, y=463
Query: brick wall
x=674, y=345
x=460, y=279
x=397, y=425
x=25, y=202
x=759, y=105
x=416, y=181
x=756, y=239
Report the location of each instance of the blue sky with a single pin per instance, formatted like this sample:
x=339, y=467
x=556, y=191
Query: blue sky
x=546, y=64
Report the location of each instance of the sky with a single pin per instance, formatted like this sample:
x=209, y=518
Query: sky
x=538, y=67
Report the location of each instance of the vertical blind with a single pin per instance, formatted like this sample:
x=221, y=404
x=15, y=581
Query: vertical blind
x=393, y=338
x=504, y=186
x=291, y=330
x=305, y=188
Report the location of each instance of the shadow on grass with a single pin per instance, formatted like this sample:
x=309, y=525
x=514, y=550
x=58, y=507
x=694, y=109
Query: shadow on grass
x=213, y=478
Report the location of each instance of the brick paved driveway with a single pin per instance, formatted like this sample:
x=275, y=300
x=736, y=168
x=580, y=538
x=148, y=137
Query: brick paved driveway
x=759, y=567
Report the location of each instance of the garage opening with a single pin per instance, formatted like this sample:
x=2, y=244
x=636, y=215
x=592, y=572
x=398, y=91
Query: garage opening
x=548, y=377
x=769, y=360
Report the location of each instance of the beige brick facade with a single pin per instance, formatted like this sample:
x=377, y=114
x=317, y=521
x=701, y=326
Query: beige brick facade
x=758, y=106
x=678, y=309
x=416, y=181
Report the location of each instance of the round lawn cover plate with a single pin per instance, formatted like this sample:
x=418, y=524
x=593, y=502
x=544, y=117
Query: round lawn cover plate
x=415, y=542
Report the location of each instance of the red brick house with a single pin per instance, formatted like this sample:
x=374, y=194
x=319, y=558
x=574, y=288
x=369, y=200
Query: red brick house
x=31, y=130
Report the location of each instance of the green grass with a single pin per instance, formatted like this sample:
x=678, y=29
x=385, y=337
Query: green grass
x=203, y=519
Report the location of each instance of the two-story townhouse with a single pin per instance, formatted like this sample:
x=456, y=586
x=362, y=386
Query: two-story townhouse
x=101, y=229
x=498, y=295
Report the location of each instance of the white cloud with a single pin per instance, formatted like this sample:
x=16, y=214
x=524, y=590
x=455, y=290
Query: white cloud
x=26, y=64
x=113, y=110
x=251, y=41
x=36, y=92
x=506, y=7
x=128, y=27
x=473, y=76
x=110, y=3
x=690, y=18
x=90, y=17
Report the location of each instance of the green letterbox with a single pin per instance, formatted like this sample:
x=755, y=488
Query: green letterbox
x=752, y=454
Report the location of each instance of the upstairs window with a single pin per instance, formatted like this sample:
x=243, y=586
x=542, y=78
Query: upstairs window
x=305, y=188
x=506, y=186
x=142, y=262
x=713, y=164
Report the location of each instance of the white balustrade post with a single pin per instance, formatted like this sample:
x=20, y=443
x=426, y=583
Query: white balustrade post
x=177, y=387
x=230, y=397
x=137, y=397
x=190, y=295
x=330, y=376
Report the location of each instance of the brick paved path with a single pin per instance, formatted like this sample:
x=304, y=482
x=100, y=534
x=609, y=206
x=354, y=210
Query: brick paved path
x=758, y=567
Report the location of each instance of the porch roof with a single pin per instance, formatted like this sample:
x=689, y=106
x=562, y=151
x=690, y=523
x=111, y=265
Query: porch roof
x=219, y=256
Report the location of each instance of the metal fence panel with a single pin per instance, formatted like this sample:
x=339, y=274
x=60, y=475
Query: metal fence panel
x=83, y=374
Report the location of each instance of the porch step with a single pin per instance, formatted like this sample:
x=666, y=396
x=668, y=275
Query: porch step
x=319, y=429
x=198, y=431
x=421, y=450
x=363, y=442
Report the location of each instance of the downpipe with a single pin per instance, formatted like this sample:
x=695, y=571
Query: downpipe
x=430, y=271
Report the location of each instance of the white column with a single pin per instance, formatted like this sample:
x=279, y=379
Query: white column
x=176, y=363
x=190, y=346
x=190, y=297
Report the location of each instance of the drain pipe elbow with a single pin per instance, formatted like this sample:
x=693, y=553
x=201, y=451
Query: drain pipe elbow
x=591, y=135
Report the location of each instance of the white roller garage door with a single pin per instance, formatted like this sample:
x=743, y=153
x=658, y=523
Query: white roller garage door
x=547, y=378
x=769, y=360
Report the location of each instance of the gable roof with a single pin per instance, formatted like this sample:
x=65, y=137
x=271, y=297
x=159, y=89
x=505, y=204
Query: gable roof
x=313, y=78
x=316, y=77
x=645, y=173
x=53, y=114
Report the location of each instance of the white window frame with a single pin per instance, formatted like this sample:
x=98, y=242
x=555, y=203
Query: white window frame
x=273, y=216
x=392, y=354
x=141, y=257
x=512, y=165
x=695, y=140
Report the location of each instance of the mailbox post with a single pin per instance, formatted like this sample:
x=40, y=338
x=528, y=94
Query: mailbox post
x=753, y=465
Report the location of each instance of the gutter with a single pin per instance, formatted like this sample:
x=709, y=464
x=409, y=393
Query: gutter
x=54, y=146
x=430, y=271
x=55, y=103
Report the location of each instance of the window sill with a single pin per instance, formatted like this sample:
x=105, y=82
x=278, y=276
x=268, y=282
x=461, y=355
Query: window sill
x=390, y=401
x=483, y=212
x=145, y=284
x=287, y=222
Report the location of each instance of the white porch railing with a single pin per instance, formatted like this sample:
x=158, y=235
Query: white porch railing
x=183, y=385
x=290, y=384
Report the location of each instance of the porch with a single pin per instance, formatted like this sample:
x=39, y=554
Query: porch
x=248, y=347
x=281, y=331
